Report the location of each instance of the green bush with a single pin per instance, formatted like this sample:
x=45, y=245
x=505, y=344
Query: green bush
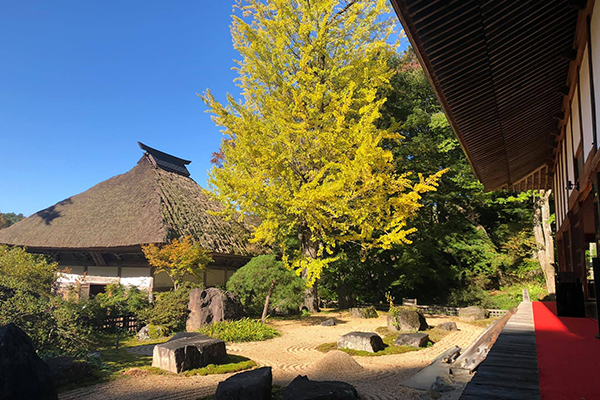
x=252, y=283
x=117, y=300
x=243, y=330
x=55, y=326
x=170, y=309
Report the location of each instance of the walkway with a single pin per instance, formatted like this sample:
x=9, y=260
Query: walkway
x=510, y=370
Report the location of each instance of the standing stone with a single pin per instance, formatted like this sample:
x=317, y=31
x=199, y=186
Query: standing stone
x=364, y=312
x=187, y=351
x=473, y=313
x=447, y=326
x=211, y=305
x=362, y=341
x=144, y=333
x=23, y=375
x=415, y=340
x=406, y=319
x=301, y=388
x=250, y=385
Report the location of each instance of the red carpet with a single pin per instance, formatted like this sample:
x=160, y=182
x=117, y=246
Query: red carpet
x=568, y=355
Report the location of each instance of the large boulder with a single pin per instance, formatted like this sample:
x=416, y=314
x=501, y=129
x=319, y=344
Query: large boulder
x=364, y=312
x=23, y=375
x=406, y=319
x=301, y=388
x=362, y=341
x=415, y=340
x=210, y=305
x=187, y=351
x=447, y=326
x=473, y=313
x=66, y=370
x=250, y=385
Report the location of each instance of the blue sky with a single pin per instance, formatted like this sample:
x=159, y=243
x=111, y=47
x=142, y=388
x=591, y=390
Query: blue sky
x=82, y=81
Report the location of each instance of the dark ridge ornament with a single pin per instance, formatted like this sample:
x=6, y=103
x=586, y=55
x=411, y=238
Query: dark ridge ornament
x=166, y=161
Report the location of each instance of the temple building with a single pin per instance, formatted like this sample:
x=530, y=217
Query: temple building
x=517, y=83
x=96, y=236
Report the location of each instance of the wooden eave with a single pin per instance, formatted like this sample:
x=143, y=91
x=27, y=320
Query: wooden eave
x=496, y=67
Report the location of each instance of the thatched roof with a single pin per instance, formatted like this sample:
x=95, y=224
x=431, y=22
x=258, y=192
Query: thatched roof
x=148, y=204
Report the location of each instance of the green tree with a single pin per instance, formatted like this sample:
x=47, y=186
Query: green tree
x=8, y=219
x=465, y=237
x=303, y=149
x=265, y=281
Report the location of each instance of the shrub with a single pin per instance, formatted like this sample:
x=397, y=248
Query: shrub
x=117, y=300
x=253, y=282
x=170, y=309
x=55, y=326
x=243, y=330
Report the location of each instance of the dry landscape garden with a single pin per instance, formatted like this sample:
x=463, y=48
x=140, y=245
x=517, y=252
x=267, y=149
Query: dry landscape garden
x=372, y=251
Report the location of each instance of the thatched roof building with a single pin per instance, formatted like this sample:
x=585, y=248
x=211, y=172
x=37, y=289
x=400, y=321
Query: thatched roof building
x=154, y=202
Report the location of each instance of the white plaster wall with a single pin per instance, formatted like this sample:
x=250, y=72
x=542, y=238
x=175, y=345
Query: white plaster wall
x=595, y=39
x=586, y=105
x=569, y=142
x=215, y=277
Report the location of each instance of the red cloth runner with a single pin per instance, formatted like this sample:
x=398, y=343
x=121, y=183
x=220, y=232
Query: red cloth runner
x=568, y=355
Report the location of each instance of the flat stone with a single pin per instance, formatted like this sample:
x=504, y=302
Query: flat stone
x=188, y=351
x=406, y=319
x=447, y=326
x=23, y=375
x=415, y=340
x=362, y=341
x=249, y=385
x=301, y=388
x=329, y=322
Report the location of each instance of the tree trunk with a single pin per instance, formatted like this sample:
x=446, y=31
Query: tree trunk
x=543, y=237
x=311, y=295
x=266, y=309
x=346, y=298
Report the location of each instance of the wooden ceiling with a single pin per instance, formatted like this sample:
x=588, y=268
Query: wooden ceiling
x=497, y=67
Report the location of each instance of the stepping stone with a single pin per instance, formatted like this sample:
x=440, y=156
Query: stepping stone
x=362, y=341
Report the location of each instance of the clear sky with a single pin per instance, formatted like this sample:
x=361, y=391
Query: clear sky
x=82, y=81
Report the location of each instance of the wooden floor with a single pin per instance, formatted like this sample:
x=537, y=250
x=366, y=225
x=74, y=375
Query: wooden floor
x=510, y=370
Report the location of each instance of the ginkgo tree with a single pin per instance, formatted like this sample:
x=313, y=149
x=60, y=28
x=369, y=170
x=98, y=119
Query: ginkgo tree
x=303, y=147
